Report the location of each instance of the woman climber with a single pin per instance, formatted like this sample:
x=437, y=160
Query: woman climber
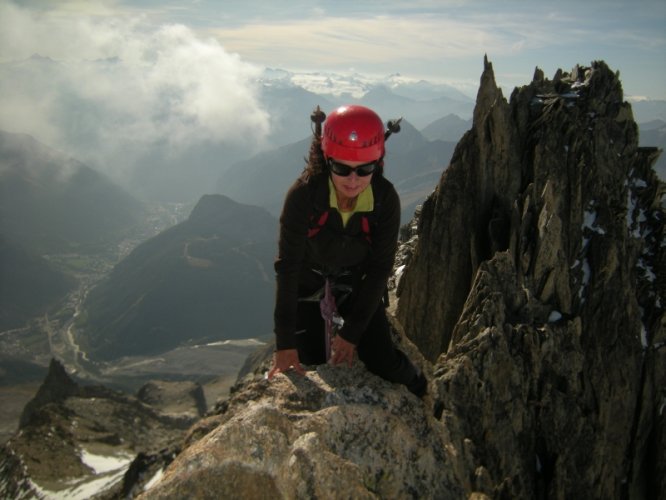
x=338, y=238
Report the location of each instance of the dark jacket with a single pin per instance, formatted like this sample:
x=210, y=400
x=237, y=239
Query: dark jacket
x=332, y=249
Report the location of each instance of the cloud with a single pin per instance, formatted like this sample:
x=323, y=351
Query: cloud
x=345, y=41
x=107, y=88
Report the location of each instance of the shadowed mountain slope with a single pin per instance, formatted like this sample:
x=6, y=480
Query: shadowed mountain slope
x=29, y=285
x=50, y=203
x=207, y=278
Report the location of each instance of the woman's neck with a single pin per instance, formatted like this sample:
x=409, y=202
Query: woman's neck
x=346, y=204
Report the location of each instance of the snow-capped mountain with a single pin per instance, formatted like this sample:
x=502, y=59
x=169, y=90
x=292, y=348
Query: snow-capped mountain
x=356, y=85
x=289, y=97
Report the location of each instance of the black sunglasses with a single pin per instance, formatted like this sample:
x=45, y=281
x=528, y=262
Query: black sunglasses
x=345, y=170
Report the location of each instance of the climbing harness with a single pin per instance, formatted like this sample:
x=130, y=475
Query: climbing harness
x=317, y=222
x=332, y=320
x=332, y=286
x=328, y=305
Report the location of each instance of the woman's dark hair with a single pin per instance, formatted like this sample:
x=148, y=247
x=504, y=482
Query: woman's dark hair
x=315, y=163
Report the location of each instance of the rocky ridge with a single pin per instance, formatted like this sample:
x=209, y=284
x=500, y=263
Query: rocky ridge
x=536, y=286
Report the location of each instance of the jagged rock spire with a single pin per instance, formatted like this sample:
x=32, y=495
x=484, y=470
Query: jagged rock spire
x=57, y=387
x=547, y=337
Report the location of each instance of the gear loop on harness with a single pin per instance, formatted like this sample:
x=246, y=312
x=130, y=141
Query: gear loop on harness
x=328, y=305
x=338, y=288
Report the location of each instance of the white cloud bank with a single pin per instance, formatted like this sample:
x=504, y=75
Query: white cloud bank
x=107, y=88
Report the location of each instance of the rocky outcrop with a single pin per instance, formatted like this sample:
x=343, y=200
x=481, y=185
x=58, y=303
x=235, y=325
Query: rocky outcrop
x=335, y=433
x=533, y=284
x=57, y=387
x=72, y=435
x=537, y=287
x=175, y=398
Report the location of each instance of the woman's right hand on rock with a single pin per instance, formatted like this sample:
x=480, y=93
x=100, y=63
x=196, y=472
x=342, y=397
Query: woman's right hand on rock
x=284, y=360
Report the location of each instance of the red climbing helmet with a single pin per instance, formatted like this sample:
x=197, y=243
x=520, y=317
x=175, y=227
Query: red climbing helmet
x=353, y=133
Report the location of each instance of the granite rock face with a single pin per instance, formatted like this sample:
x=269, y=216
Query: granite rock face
x=536, y=285
x=335, y=433
x=174, y=397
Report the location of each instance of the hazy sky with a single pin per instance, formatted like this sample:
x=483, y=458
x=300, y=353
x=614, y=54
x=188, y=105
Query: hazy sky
x=126, y=78
x=441, y=40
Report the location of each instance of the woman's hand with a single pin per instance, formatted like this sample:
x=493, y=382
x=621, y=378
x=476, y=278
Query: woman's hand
x=284, y=360
x=343, y=351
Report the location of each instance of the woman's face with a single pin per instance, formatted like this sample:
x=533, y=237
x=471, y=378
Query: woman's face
x=352, y=185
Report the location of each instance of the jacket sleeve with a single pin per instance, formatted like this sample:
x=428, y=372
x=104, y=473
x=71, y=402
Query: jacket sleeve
x=291, y=251
x=378, y=268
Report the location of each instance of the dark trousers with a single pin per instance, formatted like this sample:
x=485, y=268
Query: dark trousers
x=375, y=349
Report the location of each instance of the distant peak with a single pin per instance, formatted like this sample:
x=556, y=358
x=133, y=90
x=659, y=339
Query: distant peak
x=210, y=204
x=57, y=386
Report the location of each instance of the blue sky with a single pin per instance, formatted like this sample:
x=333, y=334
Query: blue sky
x=442, y=41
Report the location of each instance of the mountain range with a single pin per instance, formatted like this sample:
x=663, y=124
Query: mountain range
x=157, y=153
x=412, y=162
x=52, y=203
x=435, y=117
x=29, y=285
x=207, y=278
